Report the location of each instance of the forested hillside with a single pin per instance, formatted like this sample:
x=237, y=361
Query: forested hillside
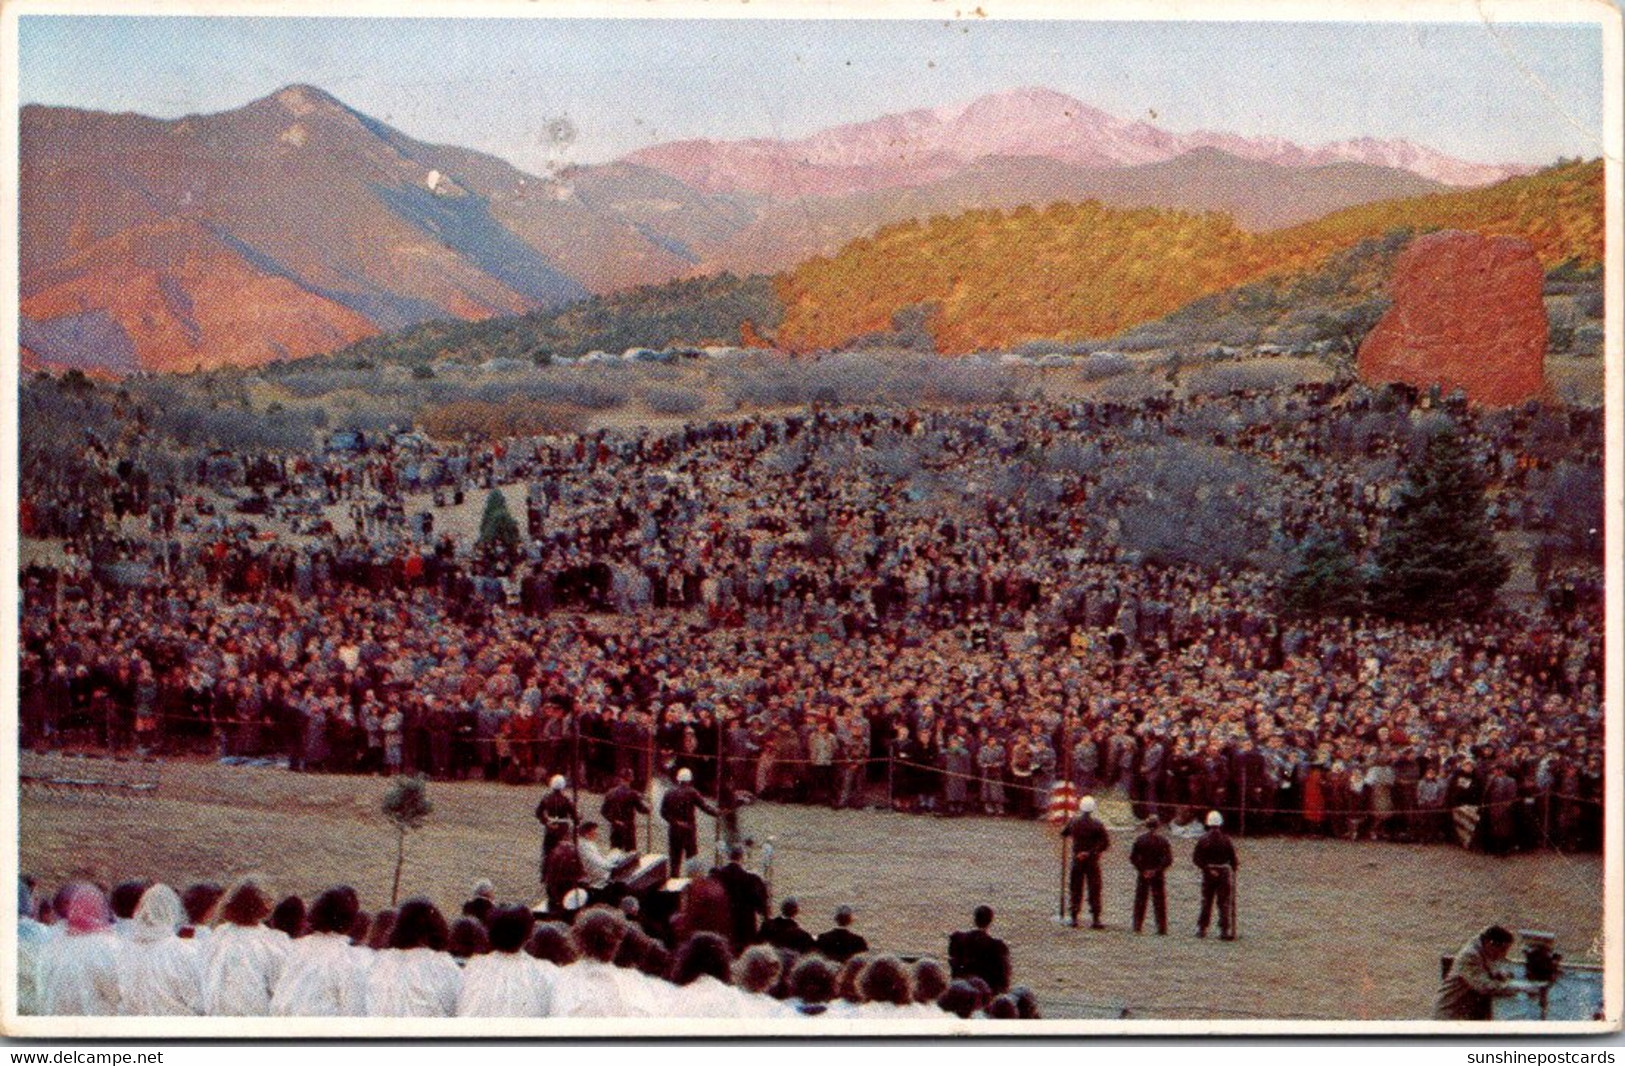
x=994, y=279
x=721, y=309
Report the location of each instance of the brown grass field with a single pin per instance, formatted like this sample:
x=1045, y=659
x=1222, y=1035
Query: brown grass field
x=1329, y=929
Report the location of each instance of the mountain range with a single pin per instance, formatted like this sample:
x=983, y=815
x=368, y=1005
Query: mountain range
x=928, y=144
x=296, y=224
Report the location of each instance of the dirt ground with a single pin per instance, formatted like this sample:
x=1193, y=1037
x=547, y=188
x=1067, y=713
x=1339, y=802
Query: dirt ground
x=1328, y=929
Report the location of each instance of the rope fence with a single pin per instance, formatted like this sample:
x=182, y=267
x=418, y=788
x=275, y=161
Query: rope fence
x=503, y=747
x=230, y=724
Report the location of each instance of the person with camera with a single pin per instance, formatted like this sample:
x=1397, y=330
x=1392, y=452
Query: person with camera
x=1476, y=978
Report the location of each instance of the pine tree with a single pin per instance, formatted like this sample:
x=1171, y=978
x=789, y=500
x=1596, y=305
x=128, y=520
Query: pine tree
x=1437, y=557
x=497, y=526
x=1326, y=579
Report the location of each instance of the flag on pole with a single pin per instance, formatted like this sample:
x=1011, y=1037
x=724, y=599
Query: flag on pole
x=1466, y=819
x=1063, y=802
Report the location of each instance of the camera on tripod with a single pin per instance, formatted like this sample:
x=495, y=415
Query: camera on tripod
x=1540, y=962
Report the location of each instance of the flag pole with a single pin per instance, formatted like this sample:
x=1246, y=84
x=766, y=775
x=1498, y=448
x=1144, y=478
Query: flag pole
x=1066, y=746
x=1235, y=890
x=1060, y=906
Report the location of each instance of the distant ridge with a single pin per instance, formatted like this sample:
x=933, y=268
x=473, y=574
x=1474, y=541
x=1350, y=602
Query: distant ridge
x=917, y=147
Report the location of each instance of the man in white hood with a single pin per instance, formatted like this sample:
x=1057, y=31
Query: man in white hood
x=160, y=970
x=78, y=968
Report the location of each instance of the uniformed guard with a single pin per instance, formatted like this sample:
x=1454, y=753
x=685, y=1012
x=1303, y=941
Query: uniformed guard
x=1151, y=856
x=677, y=808
x=620, y=809
x=558, y=815
x=1215, y=856
x=1090, y=840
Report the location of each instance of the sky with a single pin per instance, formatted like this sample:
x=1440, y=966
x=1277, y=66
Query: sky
x=1511, y=93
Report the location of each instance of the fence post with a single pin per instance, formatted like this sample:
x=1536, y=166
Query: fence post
x=1243, y=828
x=648, y=790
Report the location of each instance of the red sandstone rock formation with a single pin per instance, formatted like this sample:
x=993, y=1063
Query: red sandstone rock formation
x=1467, y=313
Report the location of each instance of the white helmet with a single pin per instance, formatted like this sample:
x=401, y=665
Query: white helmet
x=1214, y=819
x=557, y=784
x=1087, y=805
x=684, y=776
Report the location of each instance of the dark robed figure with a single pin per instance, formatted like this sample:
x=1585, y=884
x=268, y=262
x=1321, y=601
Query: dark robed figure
x=1090, y=841
x=1215, y=856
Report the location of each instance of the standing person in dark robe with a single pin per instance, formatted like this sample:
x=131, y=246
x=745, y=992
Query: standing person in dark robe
x=464, y=748
x=1151, y=856
x=1090, y=841
x=905, y=755
x=677, y=807
x=442, y=726
x=558, y=816
x=620, y=809
x=596, y=750
x=704, y=907
x=747, y=898
x=1215, y=856
x=223, y=715
x=1023, y=800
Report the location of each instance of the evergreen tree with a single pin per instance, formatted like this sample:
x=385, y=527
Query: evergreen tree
x=497, y=526
x=1325, y=579
x=1437, y=557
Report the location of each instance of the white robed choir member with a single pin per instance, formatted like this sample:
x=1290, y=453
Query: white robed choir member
x=160, y=971
x=78, y=967
x=414, y=977
x=756, y=973
x=325, y=975
x=507, y=982
x=592, y=986
x=707, y=997
x=588, y=988
x=243, y=959
x=413, y=983
x=643, y=996
x=703, y=975
x=887, y=991
x=31, y=937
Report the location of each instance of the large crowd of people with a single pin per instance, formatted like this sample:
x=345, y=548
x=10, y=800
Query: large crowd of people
x=938, y=609
x=145, y=949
